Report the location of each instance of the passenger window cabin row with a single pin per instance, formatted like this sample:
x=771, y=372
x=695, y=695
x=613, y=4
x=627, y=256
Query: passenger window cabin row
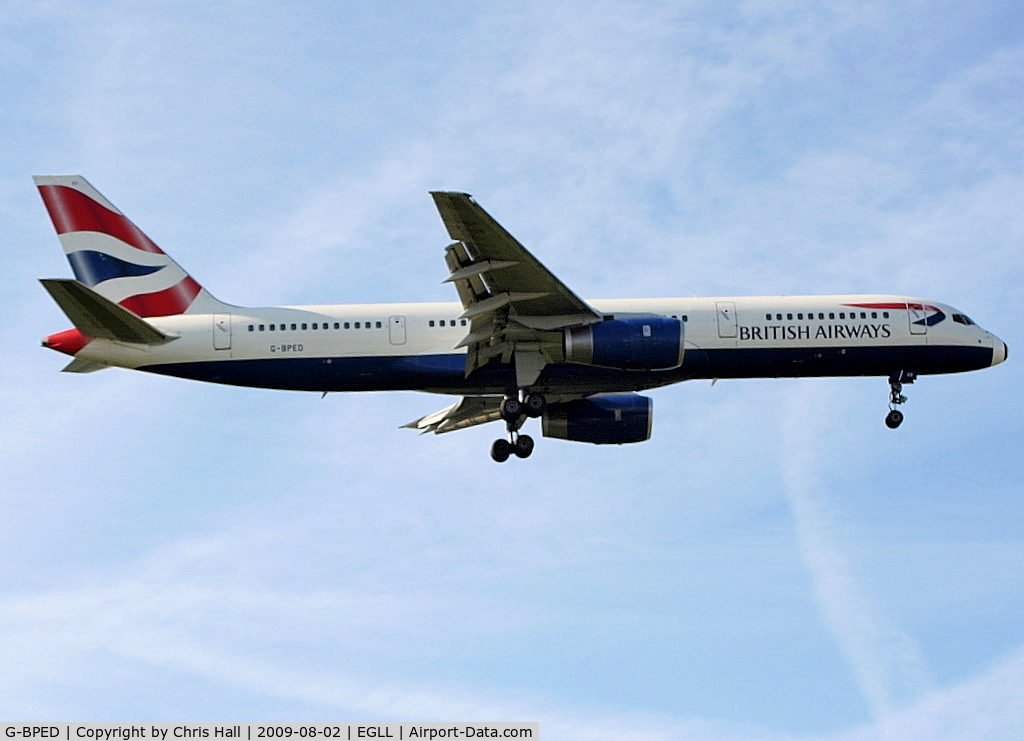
x=303, y=326
x=821, y=315
x=283, y=327
x=799, y=316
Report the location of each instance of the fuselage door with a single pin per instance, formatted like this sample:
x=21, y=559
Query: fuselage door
x=221, y=331
x=918, y=316
x=396, y=330
x=726, y=319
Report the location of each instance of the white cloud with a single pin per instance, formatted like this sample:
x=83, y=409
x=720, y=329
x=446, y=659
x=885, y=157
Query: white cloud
x=165, y=614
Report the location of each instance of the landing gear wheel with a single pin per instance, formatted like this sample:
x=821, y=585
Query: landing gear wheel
x=510, y=409
x=896, y=380
x=523, y=446
x=534, y=405
x=501, y=450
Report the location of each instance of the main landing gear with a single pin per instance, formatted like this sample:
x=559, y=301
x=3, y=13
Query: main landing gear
x=895, y=417
x=515, y=409
x=520, y=445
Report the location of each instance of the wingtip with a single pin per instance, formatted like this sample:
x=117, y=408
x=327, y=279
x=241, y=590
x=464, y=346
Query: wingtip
x=450, y=197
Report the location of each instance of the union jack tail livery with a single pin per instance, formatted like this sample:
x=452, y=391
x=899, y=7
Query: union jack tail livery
x=113, y=257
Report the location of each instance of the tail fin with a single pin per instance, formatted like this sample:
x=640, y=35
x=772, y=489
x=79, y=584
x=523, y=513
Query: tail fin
x=111, y=255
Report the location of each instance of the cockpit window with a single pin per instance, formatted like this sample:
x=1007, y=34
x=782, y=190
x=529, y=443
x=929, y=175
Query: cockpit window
x=962, y=319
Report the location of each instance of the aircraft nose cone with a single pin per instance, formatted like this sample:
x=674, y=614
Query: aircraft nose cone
x=1000, y=352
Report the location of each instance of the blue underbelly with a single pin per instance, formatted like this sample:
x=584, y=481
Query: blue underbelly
x=446, y=373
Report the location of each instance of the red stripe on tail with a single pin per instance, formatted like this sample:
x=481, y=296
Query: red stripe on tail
x=73, y=211
x=173, y=300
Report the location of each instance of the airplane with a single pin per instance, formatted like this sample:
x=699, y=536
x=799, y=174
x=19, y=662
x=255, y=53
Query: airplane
x=518, y=345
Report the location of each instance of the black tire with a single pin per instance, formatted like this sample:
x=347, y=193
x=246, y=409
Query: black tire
x=511, y=409
x=501, y=450
x=894, y=419
x=523, y=446
x=535, y=405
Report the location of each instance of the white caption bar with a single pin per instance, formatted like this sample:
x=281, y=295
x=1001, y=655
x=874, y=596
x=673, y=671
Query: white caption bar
x=268, y=731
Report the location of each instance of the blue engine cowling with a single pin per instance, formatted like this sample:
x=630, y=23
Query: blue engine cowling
x=603, y=420
x=646, y=343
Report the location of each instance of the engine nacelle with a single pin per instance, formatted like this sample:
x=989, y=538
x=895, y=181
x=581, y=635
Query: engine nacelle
x=603, y=420
x=647, y=343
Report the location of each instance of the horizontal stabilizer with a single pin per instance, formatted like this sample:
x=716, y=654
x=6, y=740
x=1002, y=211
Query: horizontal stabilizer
x=83, y=366
x=96, y=316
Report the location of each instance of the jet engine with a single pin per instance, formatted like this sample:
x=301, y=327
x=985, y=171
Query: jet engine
x=603, y=420
x=646, y=343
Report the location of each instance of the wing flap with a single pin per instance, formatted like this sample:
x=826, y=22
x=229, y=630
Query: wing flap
x=502, y=263
x=476, y=268
x=513, y=302
x=466, y=412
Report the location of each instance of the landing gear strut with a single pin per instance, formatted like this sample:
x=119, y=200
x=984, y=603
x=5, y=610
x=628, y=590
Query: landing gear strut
x=515, y=411
x=895, y=417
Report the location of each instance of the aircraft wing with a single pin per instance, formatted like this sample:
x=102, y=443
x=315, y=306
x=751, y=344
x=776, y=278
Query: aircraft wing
x=466, y=412
x=516, y=306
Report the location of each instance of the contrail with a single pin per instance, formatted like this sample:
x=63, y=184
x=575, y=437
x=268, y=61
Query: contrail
x=885, y=662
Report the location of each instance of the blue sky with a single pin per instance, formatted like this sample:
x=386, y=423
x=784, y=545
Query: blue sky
x=773, y=564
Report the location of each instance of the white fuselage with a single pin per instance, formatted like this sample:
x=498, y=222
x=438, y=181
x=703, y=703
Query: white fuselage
x=415, y=346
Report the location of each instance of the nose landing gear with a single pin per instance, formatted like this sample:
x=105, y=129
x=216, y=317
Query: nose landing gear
x=515, y=411
x=895, y=417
